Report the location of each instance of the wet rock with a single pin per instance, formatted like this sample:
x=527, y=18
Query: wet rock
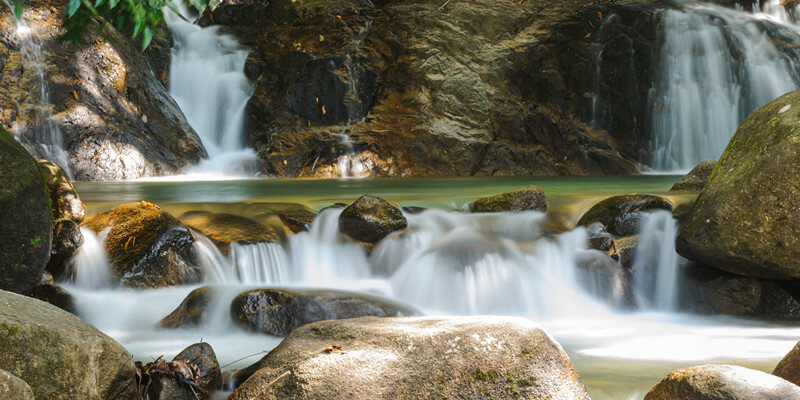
x=279, y=312
x=224, y=229
x=696, y=179
x=64, y=200
x=369, y=219
x=117, y=120
x=745, y=221
x=25, y=229
x=529, y=198
x=789, y=367
x=201, y=358
x=621, y=214
x=147, y=247
x=60, y=356
x=192, y=311
x=53, y=294
x=406, y=358
x=722, y=382
x=67, y=239
x=13, y=388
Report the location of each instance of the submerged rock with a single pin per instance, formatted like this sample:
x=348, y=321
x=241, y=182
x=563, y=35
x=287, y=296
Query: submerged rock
x=192, y=311
x=746, y=221
x=203, y=363
x=722, y=382
x=13, y=388
x=224, y=229
x=147, y=247
x=408, y=358
x=64, y=200
x=620, y=215
x=529, y=198
x=25, y=229
x=370, y=219
x=279, y=312
x=696, y=179
x=789, y=367
x=67, y=239
x=60, y=356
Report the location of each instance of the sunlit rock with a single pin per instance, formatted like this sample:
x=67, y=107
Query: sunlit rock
x=530, y=198
x=722, y=382
x=224, y=229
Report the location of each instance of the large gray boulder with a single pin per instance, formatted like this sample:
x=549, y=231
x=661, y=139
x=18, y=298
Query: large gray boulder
x=414, y=358
x=722, y=382
x=60, y=356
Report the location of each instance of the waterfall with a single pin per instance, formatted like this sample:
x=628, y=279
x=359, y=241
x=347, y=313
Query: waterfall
x=260, y=263
x=717, y=65
x=207, y=81
x=658, y=266
x=90, y=267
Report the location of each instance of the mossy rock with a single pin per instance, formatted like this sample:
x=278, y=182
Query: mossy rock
x=60, y=356
x=746, y=220
x=530, y=198
x=192, y=311
x=13, y=388
x=224, y=229
x=370, y=219
x=147, y=247
x=64, y=199
x=26, y=226
x=722, y=382
x=620, y=215
x=696, y=179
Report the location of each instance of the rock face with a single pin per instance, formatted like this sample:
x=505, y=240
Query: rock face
x=789, y=367
x=64, y=200
x=621, y=214
x=67, y=239
x=60, y=356
x=529, y=198
x=224, y=229
x=407, y=358
x=25, y=229
x=696, y=179
x=509, y=91
x=279, y=312
x=722, y=382
x=192, y=310
x=369, y=219
x=741, y=296
x=13, y=388
x=745, y=220
x=146, y=246
x=117, y=120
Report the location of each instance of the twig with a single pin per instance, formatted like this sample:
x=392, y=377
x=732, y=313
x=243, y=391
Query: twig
x=443, y=5
x=230, y=363
x=276, y=380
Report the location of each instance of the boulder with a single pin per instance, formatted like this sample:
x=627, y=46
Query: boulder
x=530, y=198
x=745, y=221
x=722, y=382
x=279, y=312
x=789, y=367
x=53, y=294
x=696, y=179
x=117, y=120
x=202, y=362
x=620, y=215
x=26, y=226
x=192, y=311
x=64, y=200
x=13, y=388
x=147, y=247
x=67, y=239
x=413, y=358
x=61, y=356
x=224, y=229
x=739, y=296
x=369, y=219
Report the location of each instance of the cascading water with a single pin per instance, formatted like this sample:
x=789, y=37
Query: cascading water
x=716, y=66
x=658, y=274
x=207, y=81
x=89, y=266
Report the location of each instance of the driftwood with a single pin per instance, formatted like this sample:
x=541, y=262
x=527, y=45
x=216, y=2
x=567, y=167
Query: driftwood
x=179, y=371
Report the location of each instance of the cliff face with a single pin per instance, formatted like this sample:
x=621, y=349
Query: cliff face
x=117, y=120
x=433, y=87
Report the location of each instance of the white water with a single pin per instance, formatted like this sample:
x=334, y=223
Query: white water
x=207, y=81
x=90, y=267
x=659, y=266
x=716, y=66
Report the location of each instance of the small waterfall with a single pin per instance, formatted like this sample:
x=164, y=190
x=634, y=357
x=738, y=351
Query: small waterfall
x=260, y=263
x=216, y=268
x=778, y=11
x=717, y=65
x=207, y=81
x=90, y=266
x=658, y=275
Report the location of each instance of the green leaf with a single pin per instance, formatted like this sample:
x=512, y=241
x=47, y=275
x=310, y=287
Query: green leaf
x=99, y=3
x=112, y=3
x=147, y=36
x=18, y=9
x=72, y=7
x=140, y=17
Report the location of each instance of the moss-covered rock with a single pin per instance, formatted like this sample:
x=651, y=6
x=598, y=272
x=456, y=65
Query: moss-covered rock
x=60, y=356
x=192, y=311
x=620, y=215
x=224, y=229
x=13, y=388
x=279, y=312
x=146, y=246
x=722, y=382
x=746, y=220
x=26, y=225
x=416, y=358
x=789, y=367
x=529, y=198
x=370, y=219
x=696, y=179
x=64, y=200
